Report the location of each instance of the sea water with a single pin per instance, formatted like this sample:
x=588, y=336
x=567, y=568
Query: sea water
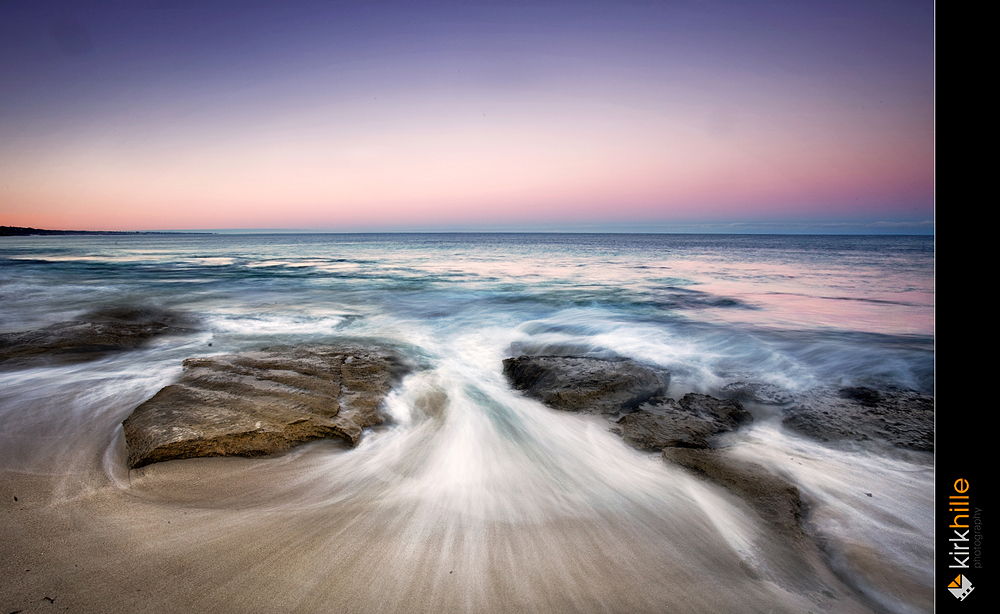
x=539, y=510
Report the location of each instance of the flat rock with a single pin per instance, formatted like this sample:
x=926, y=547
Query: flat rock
x=584, y=383
x=902, y=418
x=94, y=335
x=263, y=402
x=666, y=423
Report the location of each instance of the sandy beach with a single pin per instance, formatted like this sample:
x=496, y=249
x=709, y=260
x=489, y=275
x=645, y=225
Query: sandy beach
x=237, y=535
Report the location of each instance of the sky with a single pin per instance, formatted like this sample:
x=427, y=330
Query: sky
x=683, y=116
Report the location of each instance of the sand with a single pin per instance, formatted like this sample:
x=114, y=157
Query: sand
x=242, y=535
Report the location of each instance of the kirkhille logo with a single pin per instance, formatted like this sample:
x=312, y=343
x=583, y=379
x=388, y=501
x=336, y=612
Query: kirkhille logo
x=960, y=587
x=958, y=506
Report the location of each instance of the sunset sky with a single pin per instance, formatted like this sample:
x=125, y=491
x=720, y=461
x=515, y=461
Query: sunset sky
x=466, y=115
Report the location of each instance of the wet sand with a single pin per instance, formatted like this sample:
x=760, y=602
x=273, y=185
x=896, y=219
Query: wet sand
x=239, y=535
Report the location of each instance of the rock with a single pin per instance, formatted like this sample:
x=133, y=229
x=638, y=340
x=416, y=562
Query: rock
x=664, y=423
x=681, y=429
x=263, y=402
x=93, y=336
x=902, y=418
x=757, y=392
x=584, y=383
x=774, y=499
x=616, y=385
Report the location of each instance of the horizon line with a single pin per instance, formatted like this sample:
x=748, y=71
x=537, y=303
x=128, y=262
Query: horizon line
x=30, y=231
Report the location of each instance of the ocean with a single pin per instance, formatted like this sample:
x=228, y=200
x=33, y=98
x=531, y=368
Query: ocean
x=497, y=503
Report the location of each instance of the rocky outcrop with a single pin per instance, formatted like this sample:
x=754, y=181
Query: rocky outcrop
x=584, y=383
x=902, y=418
x=666, y=423
x=263, y=402
x=618, y=386
x=93, y=336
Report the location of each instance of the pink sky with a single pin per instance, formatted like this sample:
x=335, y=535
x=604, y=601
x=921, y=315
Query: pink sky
x=437, y=127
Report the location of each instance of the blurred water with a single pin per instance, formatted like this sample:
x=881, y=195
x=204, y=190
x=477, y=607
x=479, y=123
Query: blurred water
x=465, y=456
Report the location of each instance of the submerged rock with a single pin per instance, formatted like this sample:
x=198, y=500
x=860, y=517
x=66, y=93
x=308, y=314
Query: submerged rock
x=665, y=423
x=93, y=336
x=585, y=383
x=263, y=402
x=902, y=418
x=776, y=500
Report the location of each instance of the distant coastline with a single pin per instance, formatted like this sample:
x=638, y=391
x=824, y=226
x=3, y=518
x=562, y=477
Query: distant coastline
x=19, y=231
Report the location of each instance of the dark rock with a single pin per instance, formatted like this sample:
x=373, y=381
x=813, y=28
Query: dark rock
x=263, y=402
x=775, y=500
x=869, y=397
x=757, y=392
x=664, y=423
x=615, y=385
x=902, y=418
x=584, y=383
x=93, y=336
